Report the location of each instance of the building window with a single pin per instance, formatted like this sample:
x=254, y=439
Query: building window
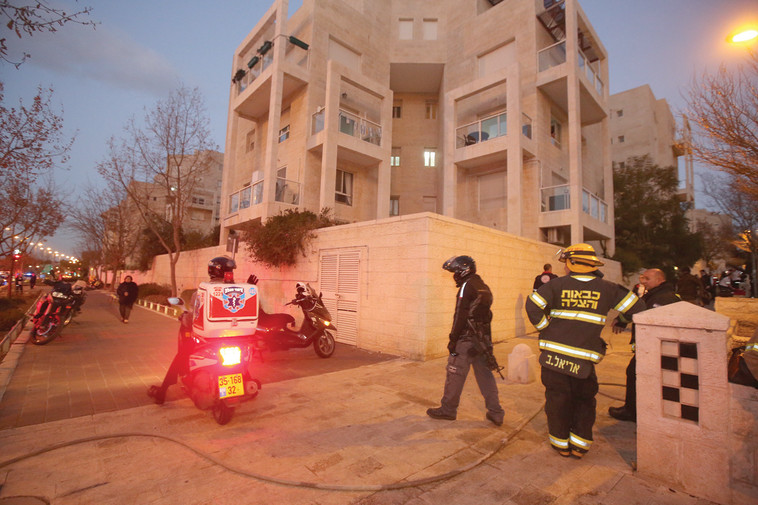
x=620, y=113
x=250, y=141
x=397, y=111
x=394, y=206
x=430, y=29
x=430, y=157
x=284, y=134
x=234, y=203
x=405, y=28
x=198, y=200
x=431, y=110
x=621, y=139
x=395, y=158
x=343, y=192
x=555, y=132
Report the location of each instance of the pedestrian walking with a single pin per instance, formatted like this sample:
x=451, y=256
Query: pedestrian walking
x=127, y=293
x=657, y=292
x=467, y=345
x=570, y=313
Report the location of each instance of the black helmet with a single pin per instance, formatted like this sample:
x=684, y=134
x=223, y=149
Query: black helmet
x=461, y=266
x=219, y=267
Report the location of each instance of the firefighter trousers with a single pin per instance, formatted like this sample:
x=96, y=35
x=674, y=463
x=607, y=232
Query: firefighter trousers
x=570, y=409
x=458, y=366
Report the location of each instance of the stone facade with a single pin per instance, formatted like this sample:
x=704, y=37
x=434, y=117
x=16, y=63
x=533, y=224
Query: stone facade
x=485, y=113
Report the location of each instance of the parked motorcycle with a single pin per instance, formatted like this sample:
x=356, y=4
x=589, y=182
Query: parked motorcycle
x=217, y=376
x=278, y=331
x=54, y=311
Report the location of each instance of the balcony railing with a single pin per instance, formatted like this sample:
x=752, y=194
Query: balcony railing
x=552, y=56
x=526, y=126
x=288, y=191
x=317, y=121
x=362, y=128
x=594, y=206
x=555, y=198
x=586, y=67
x=479, y=131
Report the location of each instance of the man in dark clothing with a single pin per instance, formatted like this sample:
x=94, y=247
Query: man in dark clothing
x=658, y=293
x=570, y=313
x=127, y=293
x=546, y=276
x=472, y=308
x=688, y=287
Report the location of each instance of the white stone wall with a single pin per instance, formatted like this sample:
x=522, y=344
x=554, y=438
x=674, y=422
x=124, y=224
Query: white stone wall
x=406, y=300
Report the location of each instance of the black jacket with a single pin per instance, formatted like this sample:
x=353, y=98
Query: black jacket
x=473, y=301
x=662, y=294
x=127, y=293
x=570, y=313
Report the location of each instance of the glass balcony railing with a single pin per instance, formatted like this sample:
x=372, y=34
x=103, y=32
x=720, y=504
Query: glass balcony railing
x=526, y=126
x=552, y=56
x=555, y=198
x=586, y=67
x=479, y=131
x=288, y=191
x=317, y=121
x=362, y=128
x=594, y=206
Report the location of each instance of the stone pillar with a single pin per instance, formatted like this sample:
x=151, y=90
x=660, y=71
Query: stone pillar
x=683, y=399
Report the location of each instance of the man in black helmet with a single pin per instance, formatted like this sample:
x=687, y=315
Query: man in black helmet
x=472, y=304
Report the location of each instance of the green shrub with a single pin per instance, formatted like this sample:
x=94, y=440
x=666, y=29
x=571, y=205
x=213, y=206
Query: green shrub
x=162, y=299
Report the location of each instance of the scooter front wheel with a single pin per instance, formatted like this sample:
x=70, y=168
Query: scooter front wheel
x=222, y=413
x=324, y=345
x=45, y=332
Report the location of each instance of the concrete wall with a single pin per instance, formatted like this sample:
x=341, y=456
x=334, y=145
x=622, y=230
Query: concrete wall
x=405, y=299
x=695, y=431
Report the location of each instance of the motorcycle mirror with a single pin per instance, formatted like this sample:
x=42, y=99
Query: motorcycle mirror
x=178, y=302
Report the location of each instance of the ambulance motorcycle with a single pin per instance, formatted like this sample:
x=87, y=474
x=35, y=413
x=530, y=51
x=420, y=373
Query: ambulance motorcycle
x=219, y=333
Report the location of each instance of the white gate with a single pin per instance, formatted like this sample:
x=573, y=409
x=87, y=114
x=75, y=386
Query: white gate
x=340, y=280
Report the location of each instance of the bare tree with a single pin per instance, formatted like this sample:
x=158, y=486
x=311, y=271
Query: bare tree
x=106, y=226
x=35, y=16
x=742, y=209
x=160, y=164
x=31, y=146
x=724, y=108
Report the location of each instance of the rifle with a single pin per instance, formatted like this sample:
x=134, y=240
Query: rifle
x=480, y=342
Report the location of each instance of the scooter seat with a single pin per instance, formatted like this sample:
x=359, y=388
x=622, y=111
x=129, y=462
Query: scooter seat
x=278, y=320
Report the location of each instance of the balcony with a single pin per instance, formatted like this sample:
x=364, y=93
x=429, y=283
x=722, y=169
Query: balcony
x=555, y=198
x=359, y=127
x=586, y=66
x=594, y=206
x=287, y=191
x=552, y=56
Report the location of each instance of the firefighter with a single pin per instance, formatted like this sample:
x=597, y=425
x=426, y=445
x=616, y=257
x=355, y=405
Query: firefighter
x=570, y=313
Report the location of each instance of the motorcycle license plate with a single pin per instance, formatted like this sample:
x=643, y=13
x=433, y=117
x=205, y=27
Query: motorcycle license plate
x=231, y=385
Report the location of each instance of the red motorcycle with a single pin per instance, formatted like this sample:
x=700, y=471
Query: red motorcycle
x=54, y=311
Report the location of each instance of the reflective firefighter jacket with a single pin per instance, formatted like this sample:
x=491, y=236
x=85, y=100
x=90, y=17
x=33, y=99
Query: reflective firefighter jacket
x=570, y=313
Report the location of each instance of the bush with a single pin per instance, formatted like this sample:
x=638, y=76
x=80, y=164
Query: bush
x=8, y=319
x=162, y=299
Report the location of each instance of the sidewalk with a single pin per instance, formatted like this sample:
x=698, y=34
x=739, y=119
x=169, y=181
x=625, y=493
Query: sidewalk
x=354, y=435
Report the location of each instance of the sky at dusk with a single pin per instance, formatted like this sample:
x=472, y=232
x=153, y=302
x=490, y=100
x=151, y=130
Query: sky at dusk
x=143, y=49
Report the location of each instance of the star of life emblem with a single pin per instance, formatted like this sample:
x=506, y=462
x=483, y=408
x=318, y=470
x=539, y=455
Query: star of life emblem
x=234, y=298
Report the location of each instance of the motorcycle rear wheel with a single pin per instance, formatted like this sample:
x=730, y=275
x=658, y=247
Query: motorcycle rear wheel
x=222, y=413
x=324, y=345
x=45, y=332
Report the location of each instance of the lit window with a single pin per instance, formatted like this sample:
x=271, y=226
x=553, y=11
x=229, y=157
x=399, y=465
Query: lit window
x=431, y=110
x=344, y=188
x=430, y=157
x=284, y=133
x=395, y=158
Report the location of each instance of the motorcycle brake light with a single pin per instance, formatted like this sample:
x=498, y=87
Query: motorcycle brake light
x=230, y=356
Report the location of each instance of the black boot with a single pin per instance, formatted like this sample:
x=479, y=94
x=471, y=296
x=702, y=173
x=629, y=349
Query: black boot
x=157, y=393
x=622, y=414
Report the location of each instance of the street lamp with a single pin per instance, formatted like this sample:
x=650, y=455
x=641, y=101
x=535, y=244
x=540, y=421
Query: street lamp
x=744, y=36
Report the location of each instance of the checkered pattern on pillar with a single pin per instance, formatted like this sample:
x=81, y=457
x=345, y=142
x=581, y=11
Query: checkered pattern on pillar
x=679, y=379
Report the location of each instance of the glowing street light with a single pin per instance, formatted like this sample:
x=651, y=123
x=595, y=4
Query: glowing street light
x=744, y=36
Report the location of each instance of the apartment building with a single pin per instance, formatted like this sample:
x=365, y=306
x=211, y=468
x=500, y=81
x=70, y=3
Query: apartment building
x=488, y=111
x=640, y=125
